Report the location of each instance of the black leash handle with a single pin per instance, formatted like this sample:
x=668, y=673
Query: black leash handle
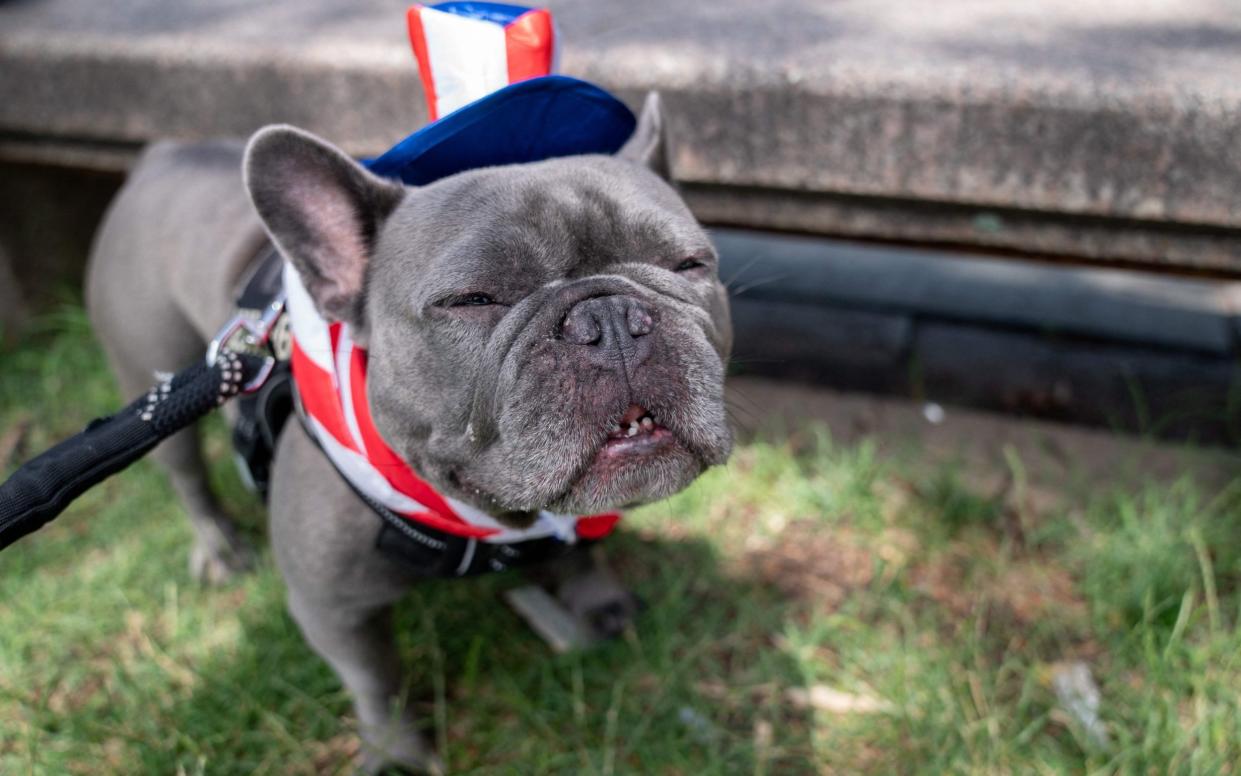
x=42, y=488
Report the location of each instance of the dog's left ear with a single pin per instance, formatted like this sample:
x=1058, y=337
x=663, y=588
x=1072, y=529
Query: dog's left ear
x=649, y=145
x=324, y=211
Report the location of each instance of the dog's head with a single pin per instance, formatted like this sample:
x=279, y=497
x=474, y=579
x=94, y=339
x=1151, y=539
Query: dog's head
x=549, y=335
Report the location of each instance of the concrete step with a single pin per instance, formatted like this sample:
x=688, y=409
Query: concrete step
x=1117, y=305
x=1105, y=131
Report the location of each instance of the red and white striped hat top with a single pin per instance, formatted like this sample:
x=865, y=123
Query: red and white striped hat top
x=466, y=50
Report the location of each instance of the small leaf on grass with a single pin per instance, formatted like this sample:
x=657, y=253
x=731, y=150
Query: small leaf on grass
x=824, y=698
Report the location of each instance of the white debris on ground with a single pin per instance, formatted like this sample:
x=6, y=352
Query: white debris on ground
x=701, y=728
x=823, y=698
x=1079, y=696
x=934, y=413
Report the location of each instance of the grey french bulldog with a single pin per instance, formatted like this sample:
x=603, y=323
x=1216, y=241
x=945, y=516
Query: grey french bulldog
x=513, y=315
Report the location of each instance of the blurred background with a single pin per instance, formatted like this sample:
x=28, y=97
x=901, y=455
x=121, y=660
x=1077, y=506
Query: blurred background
x=984, y=260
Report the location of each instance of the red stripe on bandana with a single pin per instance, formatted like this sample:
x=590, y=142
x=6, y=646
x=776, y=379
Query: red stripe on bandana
x=319, y=396
x=393, y=467
x=597, y=526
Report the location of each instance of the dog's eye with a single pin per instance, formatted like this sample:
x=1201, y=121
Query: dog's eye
x=471, y=300
x=688, y=264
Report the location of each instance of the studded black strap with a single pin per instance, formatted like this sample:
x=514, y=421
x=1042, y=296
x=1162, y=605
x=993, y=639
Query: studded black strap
x=42, y=488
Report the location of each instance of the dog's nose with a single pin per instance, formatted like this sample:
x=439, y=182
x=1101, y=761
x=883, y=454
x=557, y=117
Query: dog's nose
x=612, y=328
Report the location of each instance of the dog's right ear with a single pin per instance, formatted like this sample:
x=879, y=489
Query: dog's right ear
x=323, y=210
x=648, y=145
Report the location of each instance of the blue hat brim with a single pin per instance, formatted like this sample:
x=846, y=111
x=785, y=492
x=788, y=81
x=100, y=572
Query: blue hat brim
x=529, y=121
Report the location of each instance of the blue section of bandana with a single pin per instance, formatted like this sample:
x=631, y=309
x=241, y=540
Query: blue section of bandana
x=529, y=121
x=498, y=13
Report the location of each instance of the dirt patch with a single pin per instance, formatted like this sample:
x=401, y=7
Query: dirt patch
x=335, y=755
x=1028, y=589
x=1035, y=591
x=68, y=697
x=815, y=562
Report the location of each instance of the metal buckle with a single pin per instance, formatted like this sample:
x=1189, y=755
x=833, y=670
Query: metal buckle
x=254, y=333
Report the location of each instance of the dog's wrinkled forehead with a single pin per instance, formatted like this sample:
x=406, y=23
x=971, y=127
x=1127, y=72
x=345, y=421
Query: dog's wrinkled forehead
x=561, y=218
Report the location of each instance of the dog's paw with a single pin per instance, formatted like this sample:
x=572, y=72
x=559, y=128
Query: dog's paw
x=431, y=768
x=598, y=600
x=412, y=758
x=219, y=563
x=609, y=620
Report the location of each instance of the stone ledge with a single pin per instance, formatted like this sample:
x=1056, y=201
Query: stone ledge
x=1100, y=111
x=1110, y=347
x=1099, y=305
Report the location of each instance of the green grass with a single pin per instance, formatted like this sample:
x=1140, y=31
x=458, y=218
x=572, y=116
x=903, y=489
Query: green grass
x=942, y=609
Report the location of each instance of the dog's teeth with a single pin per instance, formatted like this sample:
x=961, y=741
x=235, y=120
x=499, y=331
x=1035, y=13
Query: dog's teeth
x=647, y=423
x=633, y=429
x=616, y=429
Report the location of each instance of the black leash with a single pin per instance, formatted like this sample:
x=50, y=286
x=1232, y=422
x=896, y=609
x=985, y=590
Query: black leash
x=239, y=360
x=43, y=487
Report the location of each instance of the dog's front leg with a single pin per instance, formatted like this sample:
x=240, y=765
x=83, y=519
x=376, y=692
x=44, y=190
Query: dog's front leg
x=359, y=645
x=341, y=592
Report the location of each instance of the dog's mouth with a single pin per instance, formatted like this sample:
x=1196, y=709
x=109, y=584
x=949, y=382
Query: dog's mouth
x=629, y=458
x=638, y=460
x=634, y=441
x=634, y=432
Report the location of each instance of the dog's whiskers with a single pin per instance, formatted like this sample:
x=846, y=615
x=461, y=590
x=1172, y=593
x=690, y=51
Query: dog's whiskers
x=736, y=292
